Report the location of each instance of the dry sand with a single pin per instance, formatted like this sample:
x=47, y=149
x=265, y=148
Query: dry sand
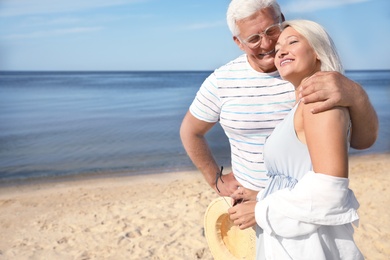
x=153, y=216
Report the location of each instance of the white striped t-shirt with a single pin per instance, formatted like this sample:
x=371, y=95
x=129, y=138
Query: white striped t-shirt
x=248, y=104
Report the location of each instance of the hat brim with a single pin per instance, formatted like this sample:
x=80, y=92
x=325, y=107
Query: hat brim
x=226, y=240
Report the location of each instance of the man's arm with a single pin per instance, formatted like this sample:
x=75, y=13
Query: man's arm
x=337, y=90
x=192, y=133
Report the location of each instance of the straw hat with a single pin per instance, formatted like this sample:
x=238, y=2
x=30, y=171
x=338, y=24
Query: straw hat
x=226, y=241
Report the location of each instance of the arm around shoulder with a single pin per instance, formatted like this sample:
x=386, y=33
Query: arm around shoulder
x=364, y=120
x=335, y=89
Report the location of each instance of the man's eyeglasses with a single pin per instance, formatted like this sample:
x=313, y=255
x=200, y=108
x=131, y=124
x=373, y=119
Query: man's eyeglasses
x=271, y=32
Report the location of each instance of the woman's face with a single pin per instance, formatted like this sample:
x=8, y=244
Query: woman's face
x=295, y=59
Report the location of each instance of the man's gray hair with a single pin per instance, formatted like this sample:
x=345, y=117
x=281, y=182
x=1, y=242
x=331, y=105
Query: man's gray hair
x=241, y=9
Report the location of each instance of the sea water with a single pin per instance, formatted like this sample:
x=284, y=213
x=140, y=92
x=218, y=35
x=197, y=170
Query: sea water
x=83, y=123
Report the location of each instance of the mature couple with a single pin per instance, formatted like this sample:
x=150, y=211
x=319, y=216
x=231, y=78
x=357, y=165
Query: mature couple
x=294, y=182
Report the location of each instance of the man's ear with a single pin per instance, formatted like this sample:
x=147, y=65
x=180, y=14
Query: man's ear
x=283, y=19
x=239, y=43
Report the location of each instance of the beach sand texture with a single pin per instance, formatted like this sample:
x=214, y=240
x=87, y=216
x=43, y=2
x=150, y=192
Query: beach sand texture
x=153, y=216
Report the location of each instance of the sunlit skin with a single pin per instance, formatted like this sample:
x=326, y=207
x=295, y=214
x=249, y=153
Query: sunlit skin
x=295, y=59
x=261, y=58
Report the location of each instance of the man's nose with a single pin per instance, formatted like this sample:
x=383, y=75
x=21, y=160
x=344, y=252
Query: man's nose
x=267, y=43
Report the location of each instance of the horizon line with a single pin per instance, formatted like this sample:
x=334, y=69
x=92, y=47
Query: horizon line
x=194, y=70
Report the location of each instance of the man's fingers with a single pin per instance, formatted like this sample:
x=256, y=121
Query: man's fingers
x=322, y=106
x=237, y=194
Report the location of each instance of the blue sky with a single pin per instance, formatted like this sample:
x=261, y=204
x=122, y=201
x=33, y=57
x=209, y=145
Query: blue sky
x=169, y=34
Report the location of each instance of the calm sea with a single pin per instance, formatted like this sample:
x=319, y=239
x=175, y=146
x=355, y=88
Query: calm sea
x=78, y=123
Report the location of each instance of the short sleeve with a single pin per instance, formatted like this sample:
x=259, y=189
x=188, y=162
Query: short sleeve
x=206, y=105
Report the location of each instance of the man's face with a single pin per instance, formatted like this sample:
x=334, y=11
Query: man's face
x=260, y=57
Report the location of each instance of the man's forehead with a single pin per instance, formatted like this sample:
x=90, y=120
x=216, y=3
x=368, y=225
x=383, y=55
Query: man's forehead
x=263, y=17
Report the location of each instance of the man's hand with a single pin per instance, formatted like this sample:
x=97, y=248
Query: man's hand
x=243, y=214
x=331, y=87
x=244, y=194
x=226, y=184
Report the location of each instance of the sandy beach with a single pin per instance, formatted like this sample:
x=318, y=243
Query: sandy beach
x=156, y=216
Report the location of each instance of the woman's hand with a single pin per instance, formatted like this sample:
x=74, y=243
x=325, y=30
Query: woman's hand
x=243, y=211
x=243, y=214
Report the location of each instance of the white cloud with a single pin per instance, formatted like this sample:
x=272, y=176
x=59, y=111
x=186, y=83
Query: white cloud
x=303, y=6
x=32, y=7
x=40, y=34
x=200, y=26
x=39, y=21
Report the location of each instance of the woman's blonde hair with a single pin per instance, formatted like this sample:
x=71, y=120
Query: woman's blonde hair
x=320, y=41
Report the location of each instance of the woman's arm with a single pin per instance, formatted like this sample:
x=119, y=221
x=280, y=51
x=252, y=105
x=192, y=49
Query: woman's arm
x=326, y=135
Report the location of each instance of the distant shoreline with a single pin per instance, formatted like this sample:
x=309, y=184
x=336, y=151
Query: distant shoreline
x=148, y=71
x=125, y=174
